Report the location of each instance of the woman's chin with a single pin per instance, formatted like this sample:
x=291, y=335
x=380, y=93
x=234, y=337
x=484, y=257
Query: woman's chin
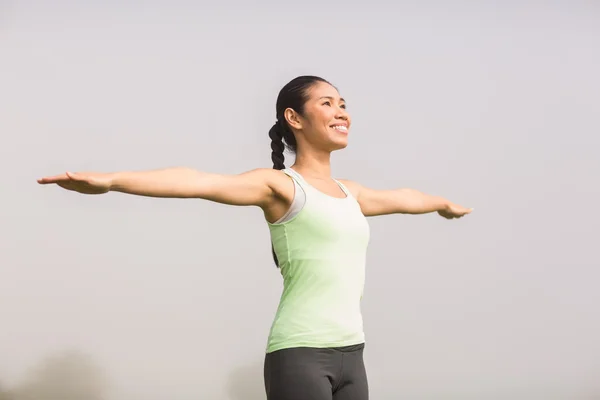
x=339, y=144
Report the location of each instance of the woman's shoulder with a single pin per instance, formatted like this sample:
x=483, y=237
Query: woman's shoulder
x=280, y=182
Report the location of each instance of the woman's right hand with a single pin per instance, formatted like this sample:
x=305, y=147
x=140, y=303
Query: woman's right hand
x=82, y=182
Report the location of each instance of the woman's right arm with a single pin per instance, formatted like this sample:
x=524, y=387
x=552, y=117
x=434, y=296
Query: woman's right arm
x=257, y=187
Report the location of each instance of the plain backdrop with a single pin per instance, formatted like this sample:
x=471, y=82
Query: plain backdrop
x=494, y=105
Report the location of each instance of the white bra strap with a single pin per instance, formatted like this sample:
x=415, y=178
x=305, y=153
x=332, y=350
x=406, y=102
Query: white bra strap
x=343, y=187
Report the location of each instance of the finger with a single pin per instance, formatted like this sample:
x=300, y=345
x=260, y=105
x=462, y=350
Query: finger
x=53, y=179
x=462, y=212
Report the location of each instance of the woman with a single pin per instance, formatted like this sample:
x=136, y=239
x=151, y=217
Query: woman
x=319, y=237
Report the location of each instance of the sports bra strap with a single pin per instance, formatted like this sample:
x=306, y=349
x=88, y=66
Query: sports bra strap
x=292, y=173
x=343, y=187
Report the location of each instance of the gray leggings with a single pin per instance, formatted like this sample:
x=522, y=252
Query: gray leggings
x=306, y=373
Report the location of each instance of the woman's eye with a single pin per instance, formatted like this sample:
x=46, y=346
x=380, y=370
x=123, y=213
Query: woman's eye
x=327, y=103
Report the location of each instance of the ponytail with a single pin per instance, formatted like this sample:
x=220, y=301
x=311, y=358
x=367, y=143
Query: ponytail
x=277, y=146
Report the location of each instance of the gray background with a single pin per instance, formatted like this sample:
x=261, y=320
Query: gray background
x=492, y=105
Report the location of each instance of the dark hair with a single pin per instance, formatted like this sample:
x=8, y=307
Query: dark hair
x=293, y=95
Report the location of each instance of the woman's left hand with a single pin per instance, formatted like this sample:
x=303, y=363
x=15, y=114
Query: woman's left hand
x=454, y=211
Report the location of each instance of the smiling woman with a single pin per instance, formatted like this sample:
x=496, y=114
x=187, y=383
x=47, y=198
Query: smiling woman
x=310, y=105
x=319, y=234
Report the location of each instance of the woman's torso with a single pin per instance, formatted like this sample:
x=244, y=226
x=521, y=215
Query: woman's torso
x=321, y=246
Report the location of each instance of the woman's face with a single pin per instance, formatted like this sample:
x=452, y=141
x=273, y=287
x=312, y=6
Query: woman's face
x=325, y=122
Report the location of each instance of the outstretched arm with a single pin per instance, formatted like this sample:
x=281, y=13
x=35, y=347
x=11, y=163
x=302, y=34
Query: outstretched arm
x=250, y=188
x=403, y=201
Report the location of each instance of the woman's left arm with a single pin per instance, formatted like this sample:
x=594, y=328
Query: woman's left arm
x=375, y=202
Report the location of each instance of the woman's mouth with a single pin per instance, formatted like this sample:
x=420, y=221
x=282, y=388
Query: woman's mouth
x=340, y=128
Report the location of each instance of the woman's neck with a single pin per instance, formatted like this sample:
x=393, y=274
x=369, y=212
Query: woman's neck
x=314, y=165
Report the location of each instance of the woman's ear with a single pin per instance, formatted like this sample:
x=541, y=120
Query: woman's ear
x=293, y=119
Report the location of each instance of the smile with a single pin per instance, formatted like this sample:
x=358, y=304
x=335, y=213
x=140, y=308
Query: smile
x=341, y=128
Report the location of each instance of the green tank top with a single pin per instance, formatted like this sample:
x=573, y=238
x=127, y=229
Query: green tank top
x=322, y=253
